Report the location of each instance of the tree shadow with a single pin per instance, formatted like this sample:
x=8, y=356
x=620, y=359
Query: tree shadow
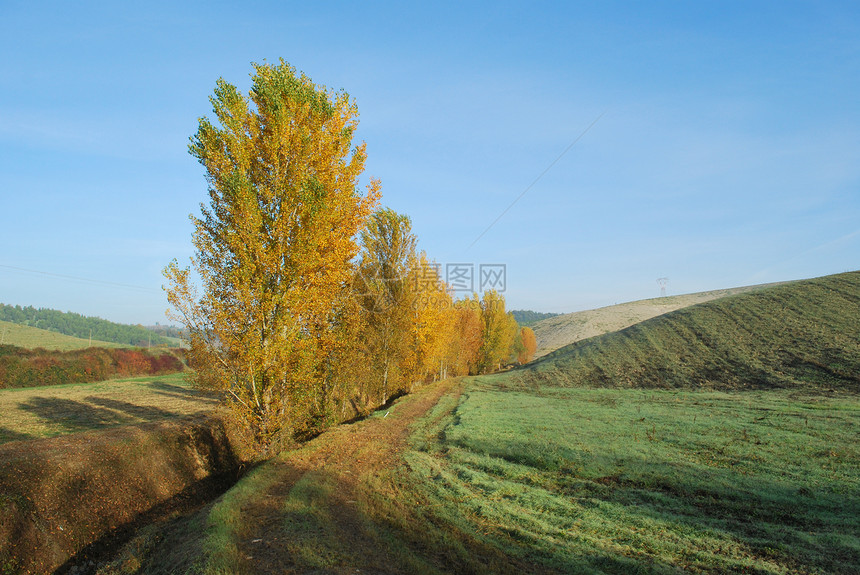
x=145, y=413
x=169, y=387
x=7, y=435
x=180, y=392
x=73, y=416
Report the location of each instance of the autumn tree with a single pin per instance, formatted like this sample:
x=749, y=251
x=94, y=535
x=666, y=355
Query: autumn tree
x=273, y=248
x=386, y=297
x=529, y=345
x=498, y=330
x=433, y=323
x=464, y=345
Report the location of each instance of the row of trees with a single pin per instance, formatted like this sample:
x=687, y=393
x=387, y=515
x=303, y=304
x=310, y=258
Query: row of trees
x=408, y=328
x=77, y=325
x=305, y=303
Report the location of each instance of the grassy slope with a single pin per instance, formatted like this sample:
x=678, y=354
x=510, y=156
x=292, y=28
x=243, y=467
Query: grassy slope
x=577, y=464
x=32, y=337
x=800, y=334
x=556, y=332
x=38, y=412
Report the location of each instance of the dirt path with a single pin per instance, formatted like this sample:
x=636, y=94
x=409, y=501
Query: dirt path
x=339, y=461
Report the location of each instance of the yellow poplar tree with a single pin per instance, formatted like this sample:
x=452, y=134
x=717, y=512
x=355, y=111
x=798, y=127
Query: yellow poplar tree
x=432, y=328
x=386, y=297
x=498, y=330
x=273, y=249
x=465, y=343
x=529, y=346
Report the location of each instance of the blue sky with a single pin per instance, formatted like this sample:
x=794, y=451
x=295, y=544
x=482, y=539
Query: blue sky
x=727, y=150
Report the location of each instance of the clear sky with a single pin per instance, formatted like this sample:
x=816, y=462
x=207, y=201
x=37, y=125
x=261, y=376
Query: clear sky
x=726, y=150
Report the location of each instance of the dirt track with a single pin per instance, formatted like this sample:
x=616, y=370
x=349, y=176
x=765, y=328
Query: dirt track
x=348, y=455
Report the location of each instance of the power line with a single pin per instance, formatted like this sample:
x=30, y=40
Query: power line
x=537, y=179
x=80, y=279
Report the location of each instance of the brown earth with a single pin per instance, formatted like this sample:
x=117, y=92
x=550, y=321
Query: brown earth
x=69, y=496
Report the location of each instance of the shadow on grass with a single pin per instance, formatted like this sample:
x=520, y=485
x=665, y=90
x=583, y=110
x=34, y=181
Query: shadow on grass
x=141, y=412
x=11, y=435
x=171, y=388
x=179, y=392
x=73, y=416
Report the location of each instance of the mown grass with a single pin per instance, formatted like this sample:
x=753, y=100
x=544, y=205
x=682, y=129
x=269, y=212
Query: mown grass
x=621, y=481
x=31, y=413
x=32, y=338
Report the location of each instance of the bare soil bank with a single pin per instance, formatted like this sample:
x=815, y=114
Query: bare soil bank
x=74, y=495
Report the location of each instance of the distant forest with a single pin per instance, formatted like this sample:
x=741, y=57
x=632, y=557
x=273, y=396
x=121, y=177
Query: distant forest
x=77, y=325
x=526, y=317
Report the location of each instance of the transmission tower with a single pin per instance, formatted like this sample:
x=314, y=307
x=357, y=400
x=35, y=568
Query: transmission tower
x=662, y=283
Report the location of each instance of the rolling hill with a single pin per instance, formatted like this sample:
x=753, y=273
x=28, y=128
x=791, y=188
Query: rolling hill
x=561, y=330
x=83, y=327
x=796, y=334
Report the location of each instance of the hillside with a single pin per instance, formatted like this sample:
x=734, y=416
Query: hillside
x=797, y=334
x=83, y=327
x=556, y=332
x=33, y=337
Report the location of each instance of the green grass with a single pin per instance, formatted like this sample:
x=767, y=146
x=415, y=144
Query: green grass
x=621, y=481
x=32, y=337
x=37, y=412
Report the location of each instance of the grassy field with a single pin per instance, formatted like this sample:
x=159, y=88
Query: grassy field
x=556, y=332
x=558, y=481
x=32, y=337
x=48, y=411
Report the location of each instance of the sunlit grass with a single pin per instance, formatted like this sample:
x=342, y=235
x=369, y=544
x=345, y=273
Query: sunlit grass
x=48, y=411
x=651, y=481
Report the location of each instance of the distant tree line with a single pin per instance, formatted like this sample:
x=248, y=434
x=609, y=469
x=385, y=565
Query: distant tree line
x=77, y=325
x=20, y=367
x=527, y=317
